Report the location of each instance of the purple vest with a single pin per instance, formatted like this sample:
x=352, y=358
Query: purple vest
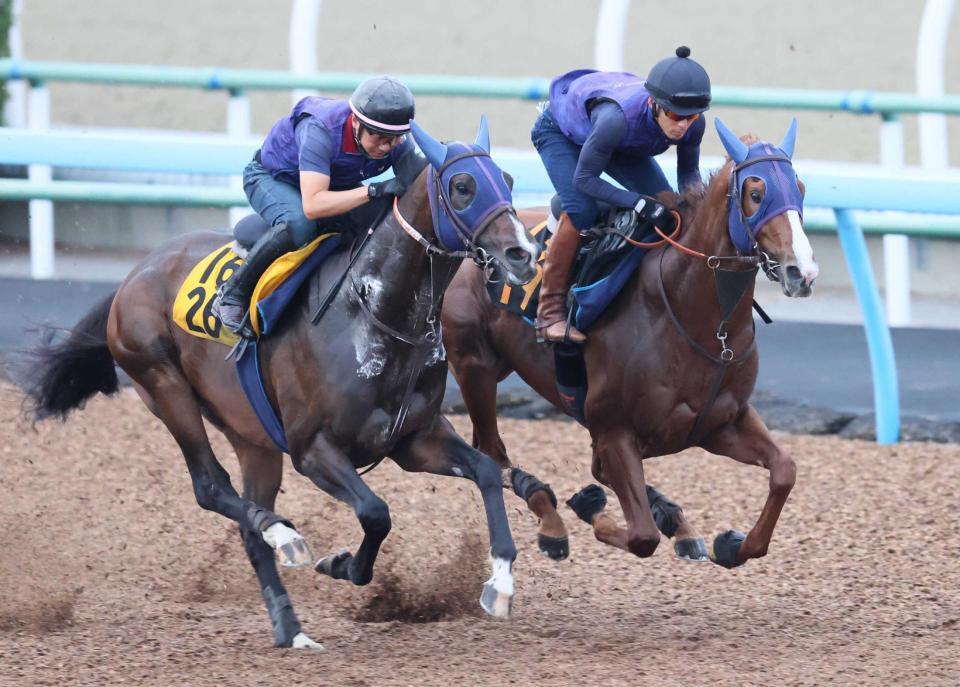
x=571, y=93
x=281, y=155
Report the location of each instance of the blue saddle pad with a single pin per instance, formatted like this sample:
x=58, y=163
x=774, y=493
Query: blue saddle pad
x=597, y=282
x=270, y=309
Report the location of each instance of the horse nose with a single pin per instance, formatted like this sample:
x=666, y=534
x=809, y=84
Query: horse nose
x=519, y=257
x=810, y=273
x=793, y=275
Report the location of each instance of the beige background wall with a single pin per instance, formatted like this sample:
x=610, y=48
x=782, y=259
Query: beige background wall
x=826, y=44
x=830, y=44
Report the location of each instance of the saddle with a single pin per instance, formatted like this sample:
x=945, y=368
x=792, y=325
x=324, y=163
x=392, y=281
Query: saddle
x=604, y=264
x=192, y=307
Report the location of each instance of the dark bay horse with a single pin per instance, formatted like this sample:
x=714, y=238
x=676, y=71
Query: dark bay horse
x=668, y=366
x=365, y=382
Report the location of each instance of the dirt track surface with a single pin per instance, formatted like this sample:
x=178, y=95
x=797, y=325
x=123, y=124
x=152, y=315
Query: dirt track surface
x=113, y=575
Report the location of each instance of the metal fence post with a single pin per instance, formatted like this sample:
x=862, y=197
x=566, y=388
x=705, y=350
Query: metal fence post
x=41, y=211
x=883, y=364
x=896, y=247
x=238, y=126
x=608, y=42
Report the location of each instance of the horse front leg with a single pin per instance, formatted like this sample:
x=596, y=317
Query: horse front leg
x=618, y=464
x=330, y=469
x=477, y=379
x=439, y=450
x=748, y=441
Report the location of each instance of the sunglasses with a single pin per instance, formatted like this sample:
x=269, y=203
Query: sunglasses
x=674, y=117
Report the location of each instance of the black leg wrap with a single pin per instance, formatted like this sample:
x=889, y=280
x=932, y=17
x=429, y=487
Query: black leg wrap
x=588, y=502
x=664, y=512
x=285, y=623
x=526, y=485
x=260, y=519
x=726, y=546
x=336, y=565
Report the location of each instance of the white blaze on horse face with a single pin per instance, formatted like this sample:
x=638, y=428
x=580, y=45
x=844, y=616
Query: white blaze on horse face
x=522, y=240
x=802, y=249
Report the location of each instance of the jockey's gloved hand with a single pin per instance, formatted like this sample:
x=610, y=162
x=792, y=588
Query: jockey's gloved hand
x=385, y=189
x=650, y=210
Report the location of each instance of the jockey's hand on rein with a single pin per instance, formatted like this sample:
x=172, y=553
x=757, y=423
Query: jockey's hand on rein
x=649, y=210
x=385, y=189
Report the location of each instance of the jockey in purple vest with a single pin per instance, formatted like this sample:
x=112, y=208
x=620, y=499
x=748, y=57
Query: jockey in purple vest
x=308, y=177
x=612, y=122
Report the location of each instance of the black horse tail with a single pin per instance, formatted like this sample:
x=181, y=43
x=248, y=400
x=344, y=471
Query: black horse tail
x=64, y=374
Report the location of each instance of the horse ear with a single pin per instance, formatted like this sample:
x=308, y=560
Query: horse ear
x=790, y=140
x=434, y=150
x=483, y=134
x=736, y=149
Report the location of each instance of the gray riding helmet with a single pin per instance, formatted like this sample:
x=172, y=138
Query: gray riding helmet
x=680, y=84
x=383, y=105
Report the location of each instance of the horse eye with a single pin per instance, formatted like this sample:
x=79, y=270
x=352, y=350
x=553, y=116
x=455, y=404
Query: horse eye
x=461, y=187
x=755, y=196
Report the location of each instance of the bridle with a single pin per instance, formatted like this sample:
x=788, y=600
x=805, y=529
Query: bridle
x=460, y=242
x=731, y=283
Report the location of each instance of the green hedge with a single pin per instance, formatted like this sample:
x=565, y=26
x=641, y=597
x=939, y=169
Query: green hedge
x=6, y=11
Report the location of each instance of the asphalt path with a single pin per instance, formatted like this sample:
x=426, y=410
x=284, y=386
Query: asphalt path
x=802, y=364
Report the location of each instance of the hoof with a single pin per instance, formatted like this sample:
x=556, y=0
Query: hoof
x=292, y=550
x=295, y=554
x=691, y=549
x=588, y=502
x=336, y=565
x=302, y=641
x=726, y=546
x=556, y=548
x=495, y=603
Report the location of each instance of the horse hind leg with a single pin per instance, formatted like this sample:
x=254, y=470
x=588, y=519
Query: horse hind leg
x=748, y=441
x=262, y=471
x=169, y=396
x=478, y=383
x=439, y=450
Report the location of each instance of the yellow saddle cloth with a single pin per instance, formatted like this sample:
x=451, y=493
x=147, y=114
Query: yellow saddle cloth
x=192, y=308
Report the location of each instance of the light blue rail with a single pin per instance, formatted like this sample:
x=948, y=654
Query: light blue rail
x=845, y=193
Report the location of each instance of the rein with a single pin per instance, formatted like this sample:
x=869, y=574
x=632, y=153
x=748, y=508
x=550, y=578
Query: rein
x=422, y=345
x=731, y=285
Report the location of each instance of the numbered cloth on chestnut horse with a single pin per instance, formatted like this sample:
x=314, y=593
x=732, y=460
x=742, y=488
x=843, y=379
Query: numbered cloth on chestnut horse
x=603, y=267
x=192, y=306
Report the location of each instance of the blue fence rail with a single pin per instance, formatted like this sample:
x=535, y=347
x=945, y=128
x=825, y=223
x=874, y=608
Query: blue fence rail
x=844, y=193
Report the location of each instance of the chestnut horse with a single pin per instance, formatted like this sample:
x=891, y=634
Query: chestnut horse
x=366, y=381
x=667, y=367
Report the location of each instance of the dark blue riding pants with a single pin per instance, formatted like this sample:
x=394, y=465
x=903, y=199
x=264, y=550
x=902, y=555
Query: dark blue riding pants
x=637, y=173
x=277, y=201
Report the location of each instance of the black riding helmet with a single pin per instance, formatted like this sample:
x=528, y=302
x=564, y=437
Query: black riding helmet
x=679, y=84
x=383, y=105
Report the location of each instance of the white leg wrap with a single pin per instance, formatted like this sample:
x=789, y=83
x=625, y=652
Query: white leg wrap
x=279, y=534
x=301, y=641
x=502, y=579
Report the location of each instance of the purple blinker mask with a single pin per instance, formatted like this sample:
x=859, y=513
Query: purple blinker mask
x=770, y=164
x=458, y=229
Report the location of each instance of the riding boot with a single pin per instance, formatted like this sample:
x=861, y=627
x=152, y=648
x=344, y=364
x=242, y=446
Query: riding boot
x=557, y=268
x=233, y=297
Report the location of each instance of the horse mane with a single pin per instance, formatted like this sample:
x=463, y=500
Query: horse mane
x=689, y=202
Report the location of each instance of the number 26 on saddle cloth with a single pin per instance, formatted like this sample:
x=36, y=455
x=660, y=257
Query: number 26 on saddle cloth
x=192, y=308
